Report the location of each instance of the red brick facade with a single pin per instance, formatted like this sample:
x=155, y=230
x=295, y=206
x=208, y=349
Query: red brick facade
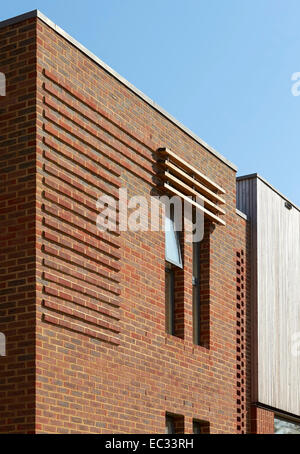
x=262, y=421
x=18, y=227
x=83, y=311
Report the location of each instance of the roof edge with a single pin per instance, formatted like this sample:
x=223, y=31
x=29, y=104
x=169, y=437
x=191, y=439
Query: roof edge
x=108, y=69
x=252, y=176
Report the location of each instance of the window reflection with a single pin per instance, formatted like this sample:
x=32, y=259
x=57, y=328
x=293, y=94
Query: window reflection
x=173, y=253
x=284, y=426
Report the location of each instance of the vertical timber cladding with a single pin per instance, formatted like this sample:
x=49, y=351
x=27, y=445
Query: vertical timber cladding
x=276, y=295
x=278, y=261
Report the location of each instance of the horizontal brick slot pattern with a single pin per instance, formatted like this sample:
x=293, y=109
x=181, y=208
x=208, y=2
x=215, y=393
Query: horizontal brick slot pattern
x=79, y=329
x=74, y=287
x=114, y=141
x=83, y=251
x=69, y=181
x=72, y=160
x=64, y=230
x=73, y=271
x=77, y=171
x=89, y=265
x=122, y=146
x=93, y=145
x=83, y=223
x=70, y=174
x=80, y=316
x=98, y=170
x=72, y=195
x=62, y=294
x=120, y=126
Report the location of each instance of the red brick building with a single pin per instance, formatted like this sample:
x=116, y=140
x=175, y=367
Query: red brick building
x=84, y=312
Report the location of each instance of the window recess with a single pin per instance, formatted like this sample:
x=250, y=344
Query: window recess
x=200, y=427
x=174, y=424
x=174, y=278
x=170, y=300
x=196, y=295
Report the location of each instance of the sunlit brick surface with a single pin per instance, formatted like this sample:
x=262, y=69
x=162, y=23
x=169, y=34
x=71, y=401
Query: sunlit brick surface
x=84, y=312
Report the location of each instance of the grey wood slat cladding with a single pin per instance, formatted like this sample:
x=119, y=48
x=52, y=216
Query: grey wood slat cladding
x=275, y=256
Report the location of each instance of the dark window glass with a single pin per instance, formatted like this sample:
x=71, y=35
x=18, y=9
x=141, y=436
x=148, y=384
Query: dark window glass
x=169, y=300
x=170, y=427
x=196, y=293
x=196, y=427
x=174, y=424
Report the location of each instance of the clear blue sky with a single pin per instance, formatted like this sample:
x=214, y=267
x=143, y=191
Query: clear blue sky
x=223, y=68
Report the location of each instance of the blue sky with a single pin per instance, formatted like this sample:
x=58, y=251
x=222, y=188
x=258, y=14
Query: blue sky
x=223, y=68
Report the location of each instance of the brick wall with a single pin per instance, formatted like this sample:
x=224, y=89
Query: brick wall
x=17, y=226
x=262, y=421
x=103, y=361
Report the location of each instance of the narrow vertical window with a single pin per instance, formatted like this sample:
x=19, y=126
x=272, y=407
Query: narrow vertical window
x=170, y=429
x=169, y=298
x=196, y=293
x=174, y=314
x=196, y=427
